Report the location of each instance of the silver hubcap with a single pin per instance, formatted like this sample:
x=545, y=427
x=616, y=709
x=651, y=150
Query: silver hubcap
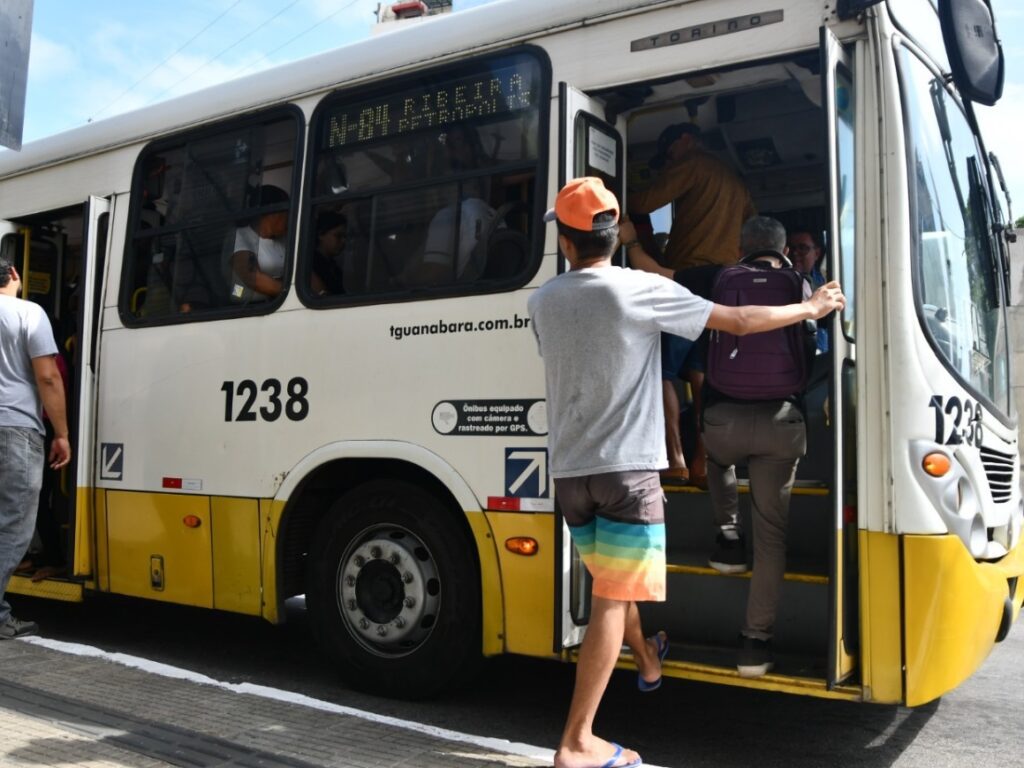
x=388, y=590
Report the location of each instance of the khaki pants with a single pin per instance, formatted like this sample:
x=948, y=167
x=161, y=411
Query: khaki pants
x=770, y=437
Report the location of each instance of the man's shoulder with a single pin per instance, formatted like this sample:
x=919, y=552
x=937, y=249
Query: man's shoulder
x=19, y=306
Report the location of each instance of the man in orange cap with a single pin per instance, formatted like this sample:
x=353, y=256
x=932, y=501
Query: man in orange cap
x=598, y=329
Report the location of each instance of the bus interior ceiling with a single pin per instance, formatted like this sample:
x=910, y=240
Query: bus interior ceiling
x=766, y=122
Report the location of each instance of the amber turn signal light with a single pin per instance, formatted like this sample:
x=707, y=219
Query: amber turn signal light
x=936, y=464
x=522, y=545
x=192, y=521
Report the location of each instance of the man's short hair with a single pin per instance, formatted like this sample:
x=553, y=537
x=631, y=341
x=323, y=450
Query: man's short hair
x=329, y=220
x=815, y=236
x=762, y=233
x=598, y=243
x=6, y=263
x=668, y=137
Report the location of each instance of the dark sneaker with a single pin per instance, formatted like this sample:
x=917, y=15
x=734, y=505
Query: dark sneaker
x=17, y=628
x=755, y=657
x=730, y=555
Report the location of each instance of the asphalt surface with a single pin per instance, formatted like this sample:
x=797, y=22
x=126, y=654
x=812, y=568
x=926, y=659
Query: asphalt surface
x=524, y=700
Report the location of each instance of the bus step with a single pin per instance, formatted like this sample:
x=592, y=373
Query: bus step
x=800, y=488
x=696, y=564
x=49, y=589
x=793, y=673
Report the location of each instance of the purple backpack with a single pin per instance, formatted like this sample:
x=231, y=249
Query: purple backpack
x=772, y=365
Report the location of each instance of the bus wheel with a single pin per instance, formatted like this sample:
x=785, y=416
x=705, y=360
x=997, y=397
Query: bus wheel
x=393, y=592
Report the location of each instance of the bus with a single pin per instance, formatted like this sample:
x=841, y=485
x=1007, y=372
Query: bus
x=368, y=428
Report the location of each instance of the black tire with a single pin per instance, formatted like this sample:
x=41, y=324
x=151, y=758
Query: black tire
x=393, y=591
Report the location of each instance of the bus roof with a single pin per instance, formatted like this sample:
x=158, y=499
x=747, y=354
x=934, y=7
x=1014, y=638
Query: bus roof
x=417, y=43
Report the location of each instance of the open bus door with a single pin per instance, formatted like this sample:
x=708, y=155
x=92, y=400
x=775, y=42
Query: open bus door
x=94, y=251
x=840, y=113
x=589, y=145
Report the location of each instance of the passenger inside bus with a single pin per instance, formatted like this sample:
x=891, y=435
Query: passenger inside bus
x=454, y=250
x=259, y=251
x=326, y=277
x=711, y=202
x=808, y=256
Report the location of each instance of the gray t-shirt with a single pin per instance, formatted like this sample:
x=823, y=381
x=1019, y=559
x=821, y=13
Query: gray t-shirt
x=25, y=333
x=599, y=332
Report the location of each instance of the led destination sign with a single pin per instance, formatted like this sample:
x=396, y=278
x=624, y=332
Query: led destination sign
x=496, y=92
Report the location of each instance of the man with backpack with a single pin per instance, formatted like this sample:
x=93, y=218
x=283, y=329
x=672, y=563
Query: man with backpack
x=598, y=328
x=752, y=413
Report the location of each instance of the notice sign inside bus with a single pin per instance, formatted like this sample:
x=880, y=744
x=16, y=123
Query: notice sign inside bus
x=495, y=92
x=491, y=417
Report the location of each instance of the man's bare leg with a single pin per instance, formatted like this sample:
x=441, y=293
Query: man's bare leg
x=673, y=438
x=645, y=651
x=698, y=460
x=606, y=631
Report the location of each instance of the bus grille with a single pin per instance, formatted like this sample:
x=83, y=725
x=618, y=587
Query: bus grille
x=999, y=471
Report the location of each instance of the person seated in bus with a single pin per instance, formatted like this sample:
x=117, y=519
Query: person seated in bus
x=260, y=251
x=456, y=252
x=769, y=436
x=326, y=277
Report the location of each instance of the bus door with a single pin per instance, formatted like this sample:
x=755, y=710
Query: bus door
x=94, y=251
x=590, y=144
x=840, y=113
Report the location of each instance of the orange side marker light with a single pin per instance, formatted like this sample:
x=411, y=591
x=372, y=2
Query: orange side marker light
x=192, y=521
x=522, y=545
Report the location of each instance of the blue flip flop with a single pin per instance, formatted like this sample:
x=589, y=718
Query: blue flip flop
x=662, y=644
x=618, y=753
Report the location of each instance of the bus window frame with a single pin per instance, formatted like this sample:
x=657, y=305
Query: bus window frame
x=277, y=113
x=393, y=85
x=908, y=47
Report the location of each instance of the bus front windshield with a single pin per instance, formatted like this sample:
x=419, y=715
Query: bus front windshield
x=956, y=261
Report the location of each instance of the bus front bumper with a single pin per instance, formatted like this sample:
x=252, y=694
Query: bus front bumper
x=954, y=610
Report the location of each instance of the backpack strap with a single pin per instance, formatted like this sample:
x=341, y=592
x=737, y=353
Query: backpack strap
x=751, y=257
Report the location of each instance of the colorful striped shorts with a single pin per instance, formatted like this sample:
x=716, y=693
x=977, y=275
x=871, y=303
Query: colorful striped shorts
x=617, y=522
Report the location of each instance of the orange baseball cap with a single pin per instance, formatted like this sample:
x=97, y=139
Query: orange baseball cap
x=580, y=200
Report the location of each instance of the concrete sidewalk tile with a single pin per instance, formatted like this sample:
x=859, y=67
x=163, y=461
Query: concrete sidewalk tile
x=268, y=727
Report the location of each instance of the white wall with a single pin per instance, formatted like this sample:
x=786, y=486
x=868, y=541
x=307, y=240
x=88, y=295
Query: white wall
x=1017, y=323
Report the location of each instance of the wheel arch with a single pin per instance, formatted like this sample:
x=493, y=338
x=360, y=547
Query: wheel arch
x=311, y=487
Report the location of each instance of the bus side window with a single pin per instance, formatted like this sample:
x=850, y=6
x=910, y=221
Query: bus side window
x=435, y=203
x=190, y=195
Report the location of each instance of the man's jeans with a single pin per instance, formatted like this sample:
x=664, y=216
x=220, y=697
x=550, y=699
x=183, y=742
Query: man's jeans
x=21, y=476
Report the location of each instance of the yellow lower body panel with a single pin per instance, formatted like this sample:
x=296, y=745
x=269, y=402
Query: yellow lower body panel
x=953, y=607
x=50, y=589
x=527, y=581
x=881, y=638
x=182, y=548
x=492, y=600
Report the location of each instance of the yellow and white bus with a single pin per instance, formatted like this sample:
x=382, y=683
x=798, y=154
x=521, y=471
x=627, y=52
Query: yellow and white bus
x=370, y=432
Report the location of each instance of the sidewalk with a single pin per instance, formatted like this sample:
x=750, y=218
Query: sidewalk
x=62, y=704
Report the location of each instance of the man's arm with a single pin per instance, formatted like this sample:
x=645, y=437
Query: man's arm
x=51, y=392
x=247, y=268
x=756, y=319
x=638, y=257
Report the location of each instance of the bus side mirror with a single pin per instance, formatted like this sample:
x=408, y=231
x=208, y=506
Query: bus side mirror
x=975, y=53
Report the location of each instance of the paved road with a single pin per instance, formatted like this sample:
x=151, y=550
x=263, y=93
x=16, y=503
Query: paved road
x=523, y=700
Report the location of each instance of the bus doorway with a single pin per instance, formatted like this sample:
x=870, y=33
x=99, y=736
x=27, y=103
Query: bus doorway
x=773, y=125
x=55, y=253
